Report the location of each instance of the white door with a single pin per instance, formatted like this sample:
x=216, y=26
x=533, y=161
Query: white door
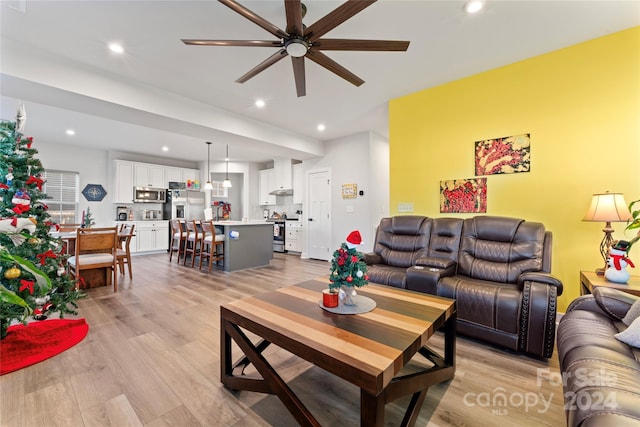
x=319, y=218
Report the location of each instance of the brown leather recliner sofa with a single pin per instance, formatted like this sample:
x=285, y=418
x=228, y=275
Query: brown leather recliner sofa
x=600, y=375
x=496, y=268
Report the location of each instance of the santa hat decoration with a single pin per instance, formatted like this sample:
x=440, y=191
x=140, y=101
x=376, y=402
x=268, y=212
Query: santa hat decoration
x=354, y=239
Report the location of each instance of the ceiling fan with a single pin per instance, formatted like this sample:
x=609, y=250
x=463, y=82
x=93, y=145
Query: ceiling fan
x=299, y=41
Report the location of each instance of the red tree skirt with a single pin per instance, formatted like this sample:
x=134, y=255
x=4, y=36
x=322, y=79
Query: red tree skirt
x=26, y=345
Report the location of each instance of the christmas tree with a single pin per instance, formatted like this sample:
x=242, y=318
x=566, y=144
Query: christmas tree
x=33, y=277
x=347, y=266
x=87, y=220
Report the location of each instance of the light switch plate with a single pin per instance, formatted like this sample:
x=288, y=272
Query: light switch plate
x=405, y=207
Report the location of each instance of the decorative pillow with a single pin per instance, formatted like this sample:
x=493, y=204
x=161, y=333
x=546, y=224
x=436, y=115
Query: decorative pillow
x=631, y=335
x=632, y=314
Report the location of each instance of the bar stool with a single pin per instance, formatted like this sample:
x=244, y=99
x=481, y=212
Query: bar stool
x=178, y=239
x=193, y=244
x=212, y=244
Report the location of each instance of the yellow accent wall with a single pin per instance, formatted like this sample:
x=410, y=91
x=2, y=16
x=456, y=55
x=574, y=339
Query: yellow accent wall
x=580, y=104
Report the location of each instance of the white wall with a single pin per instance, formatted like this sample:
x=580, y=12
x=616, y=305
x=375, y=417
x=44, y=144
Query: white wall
x=361, y=159
x=378, y=180
x=93, y=167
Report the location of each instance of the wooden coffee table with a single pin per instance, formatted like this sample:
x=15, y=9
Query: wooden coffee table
x=368, y=350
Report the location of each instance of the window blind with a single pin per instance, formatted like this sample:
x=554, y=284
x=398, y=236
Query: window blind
x=63, y=192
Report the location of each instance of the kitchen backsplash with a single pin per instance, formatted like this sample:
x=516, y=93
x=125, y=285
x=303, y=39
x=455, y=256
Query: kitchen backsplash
x=137, y=209
x=284, y=204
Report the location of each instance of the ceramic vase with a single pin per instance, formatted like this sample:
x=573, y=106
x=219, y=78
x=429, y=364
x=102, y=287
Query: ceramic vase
x=348, y=295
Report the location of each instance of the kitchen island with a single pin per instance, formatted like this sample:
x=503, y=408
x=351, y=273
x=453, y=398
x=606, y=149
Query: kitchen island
x=246, y=244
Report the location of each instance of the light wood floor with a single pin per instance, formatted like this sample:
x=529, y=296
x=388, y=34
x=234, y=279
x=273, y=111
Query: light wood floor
x=151, y=358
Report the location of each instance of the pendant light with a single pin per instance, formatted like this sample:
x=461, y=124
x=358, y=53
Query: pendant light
x=208, y=185
x=226, y=183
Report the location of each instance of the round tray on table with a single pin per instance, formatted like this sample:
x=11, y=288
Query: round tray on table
x=364, y=305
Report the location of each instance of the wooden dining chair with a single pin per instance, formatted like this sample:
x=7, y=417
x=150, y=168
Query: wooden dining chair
x=212, y=245
x=178, y=239
x=193, y=244
x=65, y=228
x=95, y=248
x=123, y=253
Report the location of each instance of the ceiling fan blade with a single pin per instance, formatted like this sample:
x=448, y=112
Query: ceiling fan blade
x=258, y=43
x=347, y=44
x=331, y=65
x=293, y=10
x=258, y=20
x=298, y=74
x=263, y=65
x=335, y=18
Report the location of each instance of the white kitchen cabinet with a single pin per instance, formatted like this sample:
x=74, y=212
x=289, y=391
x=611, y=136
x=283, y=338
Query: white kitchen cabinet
x=282, y=178
x=148, y=175
x=123, y=181
x=172, y=174
x=298, y=184
x=293, y=236
x=266, y=184
x=151, y=236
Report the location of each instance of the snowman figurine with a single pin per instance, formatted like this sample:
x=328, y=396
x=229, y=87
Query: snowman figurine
x=617, y=262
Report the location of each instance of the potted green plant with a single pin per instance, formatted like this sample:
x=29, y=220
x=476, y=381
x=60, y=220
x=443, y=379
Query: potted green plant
x=633, y=223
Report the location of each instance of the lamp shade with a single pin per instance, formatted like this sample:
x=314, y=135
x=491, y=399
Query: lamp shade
x=608, y=207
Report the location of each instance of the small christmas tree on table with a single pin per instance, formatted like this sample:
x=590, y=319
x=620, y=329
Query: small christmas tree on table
x=32, y=266
x=348, y=269
x=87, y=219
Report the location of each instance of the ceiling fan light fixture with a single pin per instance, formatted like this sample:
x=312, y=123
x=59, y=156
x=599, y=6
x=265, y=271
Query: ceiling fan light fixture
x=297, y=47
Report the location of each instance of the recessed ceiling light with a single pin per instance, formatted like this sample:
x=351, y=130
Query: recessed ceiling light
x=260, y=103
x=473, y=6
x=321, y=127
x=165, y=148
x=71, y=132
x=115, y=47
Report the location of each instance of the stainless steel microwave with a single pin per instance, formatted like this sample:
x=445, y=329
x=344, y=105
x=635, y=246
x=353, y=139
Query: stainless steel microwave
x=149, y=195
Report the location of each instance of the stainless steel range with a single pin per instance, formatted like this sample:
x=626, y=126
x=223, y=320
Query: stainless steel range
x=278, y=235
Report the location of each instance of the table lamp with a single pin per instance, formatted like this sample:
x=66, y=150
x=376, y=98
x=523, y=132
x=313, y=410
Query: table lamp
x=607, y=207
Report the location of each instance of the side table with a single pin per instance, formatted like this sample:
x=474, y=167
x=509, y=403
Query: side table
x=589, y=280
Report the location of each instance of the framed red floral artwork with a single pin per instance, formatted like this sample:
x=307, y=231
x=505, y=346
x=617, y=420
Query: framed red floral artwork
x=511, y=154
x=463, y=195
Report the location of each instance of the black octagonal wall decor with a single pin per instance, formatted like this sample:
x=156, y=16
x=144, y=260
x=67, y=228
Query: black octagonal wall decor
x=94, y=192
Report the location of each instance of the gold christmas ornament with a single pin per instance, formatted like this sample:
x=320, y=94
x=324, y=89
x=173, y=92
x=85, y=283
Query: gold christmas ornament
x=34, y=241
x=12, y=273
